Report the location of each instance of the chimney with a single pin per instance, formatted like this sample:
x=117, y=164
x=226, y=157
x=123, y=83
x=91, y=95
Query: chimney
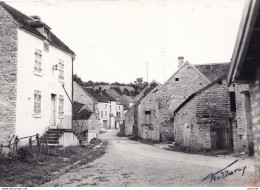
x=180, y=61
x=100, y=90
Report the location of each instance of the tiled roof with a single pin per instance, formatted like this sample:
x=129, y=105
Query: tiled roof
x=85, y=113
x=213, y=71
x=29, y=24
x=126, y=100
x=113, y=93
x=107, y=96
x=95, y=94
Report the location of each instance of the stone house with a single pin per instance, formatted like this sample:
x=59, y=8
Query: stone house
x=245, y=68
x=101, y=103
x=207, y=119
x=85, y=122
x=131, y=116
x=160, y=104
x=36, y=70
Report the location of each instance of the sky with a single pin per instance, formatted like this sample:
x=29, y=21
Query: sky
x=120, y=40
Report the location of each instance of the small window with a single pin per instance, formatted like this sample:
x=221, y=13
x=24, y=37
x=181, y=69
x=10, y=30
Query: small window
x=232, y=97
x=176, y=79
x=61, y=106
x=147, y=117
x=101, y=113
x=105, y=106
x=38, y=61
x=61, y=69
x=37, y=102
x=46, y=33
x=105, y=113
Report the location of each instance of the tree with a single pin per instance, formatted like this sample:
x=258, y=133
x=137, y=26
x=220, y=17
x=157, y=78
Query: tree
x=77, y=79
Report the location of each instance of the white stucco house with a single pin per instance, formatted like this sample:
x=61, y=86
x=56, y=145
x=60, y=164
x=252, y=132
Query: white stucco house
x=36, y=77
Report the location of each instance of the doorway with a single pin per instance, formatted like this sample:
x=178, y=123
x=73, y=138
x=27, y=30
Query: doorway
x=53, y=109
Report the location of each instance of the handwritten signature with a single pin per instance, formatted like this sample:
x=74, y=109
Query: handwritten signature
x=223, y=173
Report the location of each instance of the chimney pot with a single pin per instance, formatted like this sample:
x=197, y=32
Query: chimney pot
x=180, y=61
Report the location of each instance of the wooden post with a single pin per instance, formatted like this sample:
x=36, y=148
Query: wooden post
x=16, y=143
x=30, y=143
x=47, y=146
x=38, y=142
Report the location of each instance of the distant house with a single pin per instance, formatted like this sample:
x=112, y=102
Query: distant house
x=131, y=116
x=245, y=68
x=127, y=101
x=102, y=104
x=36, y=79
x=113, y=93
x=208, y=119
x=156, y=109
x=85, y=122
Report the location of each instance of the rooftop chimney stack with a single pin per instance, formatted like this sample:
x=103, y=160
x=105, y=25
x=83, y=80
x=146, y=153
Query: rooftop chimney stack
x=180, y=61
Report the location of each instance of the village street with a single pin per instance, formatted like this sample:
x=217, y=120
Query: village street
x=131, y=163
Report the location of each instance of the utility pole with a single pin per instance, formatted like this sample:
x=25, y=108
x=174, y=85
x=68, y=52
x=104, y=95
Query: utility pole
x=162, y=54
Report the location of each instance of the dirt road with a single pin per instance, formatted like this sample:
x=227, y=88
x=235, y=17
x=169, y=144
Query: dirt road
x=130, y=163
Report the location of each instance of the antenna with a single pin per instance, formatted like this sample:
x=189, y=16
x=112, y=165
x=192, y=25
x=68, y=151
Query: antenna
x=147, y=63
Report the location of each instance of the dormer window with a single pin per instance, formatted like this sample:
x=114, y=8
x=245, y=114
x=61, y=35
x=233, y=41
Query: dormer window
x=46, y=33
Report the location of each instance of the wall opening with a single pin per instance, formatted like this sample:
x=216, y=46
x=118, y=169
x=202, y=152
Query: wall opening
x=232, y=97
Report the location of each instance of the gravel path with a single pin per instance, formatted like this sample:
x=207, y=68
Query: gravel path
x=130, y=163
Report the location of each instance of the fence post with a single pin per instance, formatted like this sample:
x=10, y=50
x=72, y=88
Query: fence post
x=38, y=142
x=16, y=143
x=47, y=146
x=30, y=143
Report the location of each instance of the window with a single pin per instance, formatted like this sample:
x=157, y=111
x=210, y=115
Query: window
x=232, y=97
x=105, y=106
x=119, y=107
x=105, y=113
x=37, y=102
x=176, y=79
x=46, y=33
x=147, y=117
x=38, y=61
x=61, y=69
x=101, y=113
x=61, y=106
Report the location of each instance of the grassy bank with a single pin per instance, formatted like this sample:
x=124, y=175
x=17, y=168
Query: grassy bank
x=27, y=168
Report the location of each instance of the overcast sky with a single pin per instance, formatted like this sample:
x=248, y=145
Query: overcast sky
x=114, y=39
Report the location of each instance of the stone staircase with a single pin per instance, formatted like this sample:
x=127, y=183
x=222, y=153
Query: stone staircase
x=53, y=136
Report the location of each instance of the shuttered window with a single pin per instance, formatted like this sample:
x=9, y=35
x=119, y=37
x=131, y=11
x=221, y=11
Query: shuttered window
x=148, y=117
x=61, y=69
x=61, y=105
x=38, y=61
x=37, y=102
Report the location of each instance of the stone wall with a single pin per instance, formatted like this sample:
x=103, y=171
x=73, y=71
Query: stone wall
x=255, y=112
x=8, y=77
x=243, y=128
x=196, y=123
x=79, y=95
x=129, y=121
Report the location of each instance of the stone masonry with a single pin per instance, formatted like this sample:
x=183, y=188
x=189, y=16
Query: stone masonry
x=196, y=121
x=8, y=76
x=174, y=91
